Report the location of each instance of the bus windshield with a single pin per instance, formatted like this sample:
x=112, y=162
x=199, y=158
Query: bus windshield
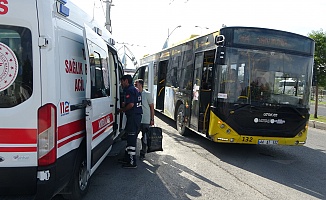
x=263, y=77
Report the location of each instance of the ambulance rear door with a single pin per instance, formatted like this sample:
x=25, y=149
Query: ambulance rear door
x=20, y=96
x=100, y=103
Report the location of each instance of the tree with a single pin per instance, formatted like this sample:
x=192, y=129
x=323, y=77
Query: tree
x=319, y=61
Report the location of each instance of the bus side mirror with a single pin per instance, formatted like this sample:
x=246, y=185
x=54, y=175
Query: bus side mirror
x=219, y=40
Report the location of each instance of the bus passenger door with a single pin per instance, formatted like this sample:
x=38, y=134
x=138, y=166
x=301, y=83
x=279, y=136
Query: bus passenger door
x=162, y=67
x=196, y=85
x=99, y=100
x=206, y=91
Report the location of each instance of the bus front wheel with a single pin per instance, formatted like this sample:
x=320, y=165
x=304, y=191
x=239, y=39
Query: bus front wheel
x=180, y=121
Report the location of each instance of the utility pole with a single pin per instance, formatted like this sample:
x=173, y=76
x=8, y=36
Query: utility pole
x=166, y=43
x=108, y=25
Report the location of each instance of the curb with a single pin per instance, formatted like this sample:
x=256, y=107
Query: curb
x=318, y=125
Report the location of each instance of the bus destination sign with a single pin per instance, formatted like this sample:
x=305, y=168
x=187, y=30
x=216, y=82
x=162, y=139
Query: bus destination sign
x=268, y=38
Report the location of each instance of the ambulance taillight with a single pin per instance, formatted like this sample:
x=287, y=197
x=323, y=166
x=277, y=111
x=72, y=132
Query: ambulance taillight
x=47, y=133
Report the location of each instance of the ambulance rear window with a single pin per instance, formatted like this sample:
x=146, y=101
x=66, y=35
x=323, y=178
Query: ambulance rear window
x=16, y=66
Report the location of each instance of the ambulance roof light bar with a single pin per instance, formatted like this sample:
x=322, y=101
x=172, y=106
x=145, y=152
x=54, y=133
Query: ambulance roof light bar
x=62, y=1
x=61, y=8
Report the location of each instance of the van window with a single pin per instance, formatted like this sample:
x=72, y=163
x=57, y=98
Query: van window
x=98, y=78
x=16, y=65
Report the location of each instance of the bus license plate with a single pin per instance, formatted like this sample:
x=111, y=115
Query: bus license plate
x=267, y=141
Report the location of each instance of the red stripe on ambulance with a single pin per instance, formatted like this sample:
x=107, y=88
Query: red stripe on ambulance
x=95, y=135
x=76, y=137
x=67, y=130
x=71, y=128
x=18, y=149
x=102, y=123
x=18, y=136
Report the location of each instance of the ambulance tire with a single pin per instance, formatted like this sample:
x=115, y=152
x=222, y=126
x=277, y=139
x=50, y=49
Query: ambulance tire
x=80, y=183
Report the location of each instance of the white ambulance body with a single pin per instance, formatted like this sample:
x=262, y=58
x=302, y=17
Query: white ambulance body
x=59, y=89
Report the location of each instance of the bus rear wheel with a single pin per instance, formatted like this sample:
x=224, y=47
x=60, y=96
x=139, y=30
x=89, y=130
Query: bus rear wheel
x=180, y=121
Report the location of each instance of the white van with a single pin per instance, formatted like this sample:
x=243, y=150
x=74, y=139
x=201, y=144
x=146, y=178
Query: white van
x=291, y=87
x=59, y=92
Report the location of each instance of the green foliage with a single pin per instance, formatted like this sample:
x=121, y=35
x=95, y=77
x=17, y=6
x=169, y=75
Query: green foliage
x=320, y=55
x=319, y=119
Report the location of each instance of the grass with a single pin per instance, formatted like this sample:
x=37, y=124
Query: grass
x=319, y=119
x=312, y=102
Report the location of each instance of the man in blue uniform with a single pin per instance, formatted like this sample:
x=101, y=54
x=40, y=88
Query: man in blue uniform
x=133, y=110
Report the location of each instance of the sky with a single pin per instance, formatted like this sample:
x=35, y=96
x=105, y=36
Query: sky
x=145, y=24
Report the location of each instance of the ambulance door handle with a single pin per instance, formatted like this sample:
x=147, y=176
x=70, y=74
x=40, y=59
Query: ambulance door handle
x=86, y=102
x=111, y=105
x=82, y=105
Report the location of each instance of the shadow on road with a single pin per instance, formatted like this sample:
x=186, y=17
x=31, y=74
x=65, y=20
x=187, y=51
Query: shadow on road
x=298, y=167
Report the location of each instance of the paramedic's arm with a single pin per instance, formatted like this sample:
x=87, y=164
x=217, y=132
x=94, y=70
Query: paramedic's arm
x=151, y=107
x=128, y=107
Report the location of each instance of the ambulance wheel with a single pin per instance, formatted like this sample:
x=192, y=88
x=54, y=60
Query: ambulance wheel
x=180, y=121
x=80, y=183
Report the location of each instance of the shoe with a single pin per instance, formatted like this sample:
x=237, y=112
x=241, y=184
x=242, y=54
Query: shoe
x=142, y=157
x=129, y=166
x=122, y=161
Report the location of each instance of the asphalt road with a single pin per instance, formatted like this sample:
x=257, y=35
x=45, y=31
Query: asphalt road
x=321, y=110
x=196, y=168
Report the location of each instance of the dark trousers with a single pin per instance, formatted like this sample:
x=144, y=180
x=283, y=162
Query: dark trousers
x=144, y=130
x=132, y=127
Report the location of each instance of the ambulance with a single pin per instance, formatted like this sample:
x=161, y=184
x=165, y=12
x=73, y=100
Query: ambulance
x=59, y=93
